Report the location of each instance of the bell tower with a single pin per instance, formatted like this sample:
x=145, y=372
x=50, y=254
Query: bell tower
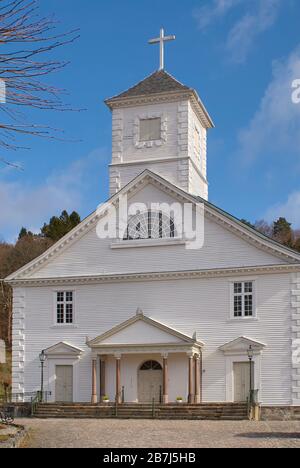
x=161, y=125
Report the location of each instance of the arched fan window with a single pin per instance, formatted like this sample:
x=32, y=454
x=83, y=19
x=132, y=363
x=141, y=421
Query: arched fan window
x=150, y=225
x=151, y=365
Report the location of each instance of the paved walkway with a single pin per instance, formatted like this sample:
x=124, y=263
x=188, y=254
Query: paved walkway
x=71, y=433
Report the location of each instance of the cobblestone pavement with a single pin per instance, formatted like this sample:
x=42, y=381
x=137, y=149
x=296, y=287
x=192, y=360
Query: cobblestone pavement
x=71, y=433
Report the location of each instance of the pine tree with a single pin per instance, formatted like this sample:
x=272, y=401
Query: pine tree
x=60, y=226
x=282, y=232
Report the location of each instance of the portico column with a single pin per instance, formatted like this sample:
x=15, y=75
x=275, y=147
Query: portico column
x=165, y=379
x=191, y=393
x=197, y=379
x=102, y=377
x=201, y=375
x=94, y=381
x=118, y=379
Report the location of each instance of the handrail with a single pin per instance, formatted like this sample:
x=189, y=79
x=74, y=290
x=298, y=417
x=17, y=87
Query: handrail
x=25, y=397
x=153, y=408
x=34, y=402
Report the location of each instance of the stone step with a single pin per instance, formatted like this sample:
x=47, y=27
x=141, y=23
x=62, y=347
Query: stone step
x=142, y=405
x=211, y=411
x=198, y=418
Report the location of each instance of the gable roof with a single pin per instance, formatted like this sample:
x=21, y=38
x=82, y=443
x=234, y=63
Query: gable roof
x=140, y=317
x=159, y=84
x=239, y=228
x=63, y=349
x=242, y=344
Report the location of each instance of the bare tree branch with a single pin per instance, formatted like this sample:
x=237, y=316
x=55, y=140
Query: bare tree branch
x=22, y=69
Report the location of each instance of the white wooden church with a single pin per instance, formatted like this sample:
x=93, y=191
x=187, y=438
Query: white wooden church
x=142, y=316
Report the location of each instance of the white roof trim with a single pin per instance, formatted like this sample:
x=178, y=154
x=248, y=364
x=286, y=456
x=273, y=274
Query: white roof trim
x=96, y=342
x=158, y=275
x=241, y=343
x=135, y=185
x=63, y=348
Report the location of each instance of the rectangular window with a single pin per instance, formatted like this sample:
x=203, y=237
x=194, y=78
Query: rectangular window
x=64, y=307
x=150, y=129
x=243, y=304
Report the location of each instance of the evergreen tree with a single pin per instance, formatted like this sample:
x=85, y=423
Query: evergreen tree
x=24, y=233
x=282, y=232
x=60, y=226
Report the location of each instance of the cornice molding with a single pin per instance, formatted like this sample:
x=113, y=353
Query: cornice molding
x=145, y=349
x=171, y=96
x=157, y=276
x=160, y=160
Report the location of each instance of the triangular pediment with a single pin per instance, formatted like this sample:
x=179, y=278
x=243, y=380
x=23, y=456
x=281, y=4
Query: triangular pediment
x=242, y=345
x=141, y=330
x=63, y=348
x=221, y=229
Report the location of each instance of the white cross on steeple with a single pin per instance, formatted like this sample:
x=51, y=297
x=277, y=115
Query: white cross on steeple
x=161, y=41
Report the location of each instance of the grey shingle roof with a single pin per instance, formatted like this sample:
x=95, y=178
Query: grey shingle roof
x=158, y=82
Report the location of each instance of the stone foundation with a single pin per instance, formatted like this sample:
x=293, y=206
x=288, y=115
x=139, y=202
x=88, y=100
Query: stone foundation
x=21, y=410
x=280, y=413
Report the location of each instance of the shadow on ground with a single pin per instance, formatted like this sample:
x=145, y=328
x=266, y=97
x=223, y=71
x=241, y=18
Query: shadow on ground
x=270, y=435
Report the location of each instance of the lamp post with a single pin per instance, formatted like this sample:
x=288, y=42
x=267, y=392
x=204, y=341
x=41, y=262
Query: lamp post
x=42, y=357
x=250, y=353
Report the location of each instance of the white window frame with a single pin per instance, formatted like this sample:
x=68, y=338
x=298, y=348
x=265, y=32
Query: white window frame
x=64, y=325
x=254, y=300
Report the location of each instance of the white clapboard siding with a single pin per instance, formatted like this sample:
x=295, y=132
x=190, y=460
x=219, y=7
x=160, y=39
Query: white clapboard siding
x=170, y=158
x=90, y=255
x=201, y=305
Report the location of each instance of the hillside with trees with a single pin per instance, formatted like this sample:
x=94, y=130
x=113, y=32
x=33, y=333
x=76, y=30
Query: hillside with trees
x=14, y=256
x=281, y=231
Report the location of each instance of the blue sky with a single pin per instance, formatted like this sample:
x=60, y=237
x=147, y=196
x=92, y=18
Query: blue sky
x=240, y=55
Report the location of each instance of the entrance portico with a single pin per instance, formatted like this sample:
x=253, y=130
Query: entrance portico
x=141, y=360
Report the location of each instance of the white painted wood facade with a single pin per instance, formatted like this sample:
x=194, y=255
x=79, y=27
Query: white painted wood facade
x=187, y=294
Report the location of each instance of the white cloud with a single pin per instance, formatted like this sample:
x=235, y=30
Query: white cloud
x=216, y=9
x=250, y=26
x=289, y=210
x=275, y=127
x=257, y=17
x=24, y=205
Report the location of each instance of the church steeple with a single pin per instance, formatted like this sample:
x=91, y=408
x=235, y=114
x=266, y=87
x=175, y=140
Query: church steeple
x=160, y=124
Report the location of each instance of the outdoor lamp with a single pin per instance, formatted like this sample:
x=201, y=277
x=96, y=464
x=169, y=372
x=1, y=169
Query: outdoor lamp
x=250, y=353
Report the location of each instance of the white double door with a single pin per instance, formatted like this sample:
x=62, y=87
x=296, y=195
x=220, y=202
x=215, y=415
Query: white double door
x=64, y=384
x=150, y=385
